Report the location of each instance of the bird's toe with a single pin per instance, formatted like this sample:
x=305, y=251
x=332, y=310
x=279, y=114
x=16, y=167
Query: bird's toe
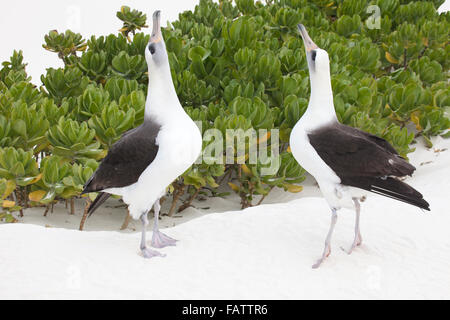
x=160, y=240
x=148, y=253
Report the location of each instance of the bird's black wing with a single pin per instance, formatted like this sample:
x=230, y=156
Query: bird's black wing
x=373, y=138
x=99, y=200
x=354, y=153
x=126, y=160
x=365, y=161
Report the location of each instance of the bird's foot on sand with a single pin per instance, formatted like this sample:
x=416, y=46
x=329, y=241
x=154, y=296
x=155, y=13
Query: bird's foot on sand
x=148, y=253
x=325, y=255
x=160, y=240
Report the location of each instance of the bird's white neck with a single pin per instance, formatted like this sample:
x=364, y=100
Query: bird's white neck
x=162, y=100
x=321, y=107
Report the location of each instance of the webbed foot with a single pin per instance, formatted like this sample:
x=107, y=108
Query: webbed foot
x=160, y=240
x=148, y=253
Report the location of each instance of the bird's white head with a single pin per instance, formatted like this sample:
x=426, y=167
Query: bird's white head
x=321, y=100
x=161, y=91
x=318, y=60
x=156, y=54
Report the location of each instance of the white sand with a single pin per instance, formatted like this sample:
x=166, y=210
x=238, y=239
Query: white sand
x=264, y=252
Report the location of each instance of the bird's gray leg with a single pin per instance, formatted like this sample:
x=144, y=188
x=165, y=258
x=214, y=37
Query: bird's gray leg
x=358, y=239
x=146, y=252
x=327, y=250
x=159, y=239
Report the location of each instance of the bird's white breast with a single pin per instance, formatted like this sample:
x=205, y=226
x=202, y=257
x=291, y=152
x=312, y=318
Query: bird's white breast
x=179, y=145
x=307, y=156
x=309, y=159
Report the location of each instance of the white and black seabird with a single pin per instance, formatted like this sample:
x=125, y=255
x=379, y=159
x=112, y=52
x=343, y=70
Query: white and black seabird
x=146, y=160
x=346, y=162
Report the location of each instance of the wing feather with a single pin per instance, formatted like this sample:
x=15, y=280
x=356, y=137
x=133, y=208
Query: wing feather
x=126, y=160
x=350, y=152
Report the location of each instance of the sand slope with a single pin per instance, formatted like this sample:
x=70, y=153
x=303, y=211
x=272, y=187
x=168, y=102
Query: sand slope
x=264, y=252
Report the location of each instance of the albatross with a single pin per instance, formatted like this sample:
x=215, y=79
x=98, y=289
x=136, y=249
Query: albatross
x=146, y=160
x=346, y=162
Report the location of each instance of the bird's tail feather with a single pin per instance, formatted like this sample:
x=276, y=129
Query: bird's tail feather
x=399, y=190
x=392, y=188
x=101, y=198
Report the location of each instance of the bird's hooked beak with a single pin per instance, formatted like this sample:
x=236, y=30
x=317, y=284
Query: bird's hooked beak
x=156, y=33
x=309, y=44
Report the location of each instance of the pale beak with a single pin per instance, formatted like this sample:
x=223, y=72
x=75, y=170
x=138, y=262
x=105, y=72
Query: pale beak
x=309, y=44
x=156, y=33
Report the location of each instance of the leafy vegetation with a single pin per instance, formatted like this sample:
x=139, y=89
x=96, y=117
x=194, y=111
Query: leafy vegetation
x=234, y=66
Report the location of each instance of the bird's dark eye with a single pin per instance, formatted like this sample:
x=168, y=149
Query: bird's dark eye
x=151, y=48
x=313, y=55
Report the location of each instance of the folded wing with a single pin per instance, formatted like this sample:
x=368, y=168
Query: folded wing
x=365, y=161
